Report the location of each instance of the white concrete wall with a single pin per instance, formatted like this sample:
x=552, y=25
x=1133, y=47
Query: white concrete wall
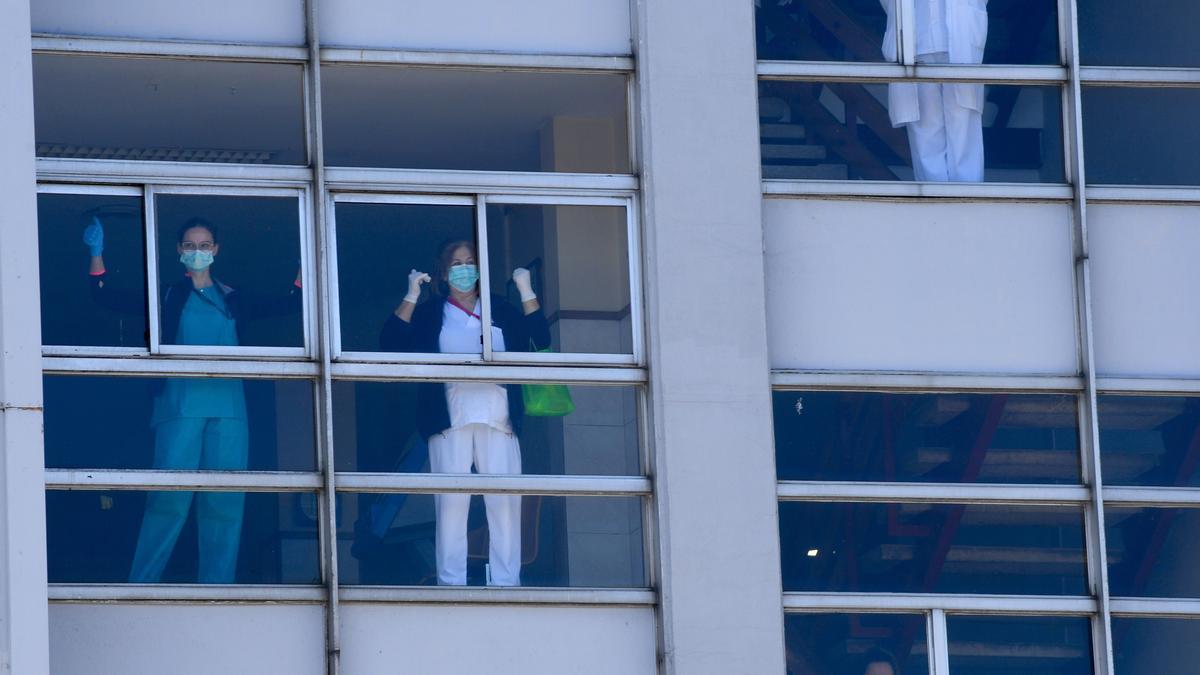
x=260, y=21
x=386, y=639
x=551, y=26
x=23, y=645
x=905, y=286
x=185, y=639
x=1146, y=308
x=710, y=397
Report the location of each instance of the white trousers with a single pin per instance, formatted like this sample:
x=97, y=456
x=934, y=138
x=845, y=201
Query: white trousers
x=492, y=451
x=947, y=141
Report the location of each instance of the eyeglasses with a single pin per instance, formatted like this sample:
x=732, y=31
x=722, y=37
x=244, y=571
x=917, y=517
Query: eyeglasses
x=189, y=246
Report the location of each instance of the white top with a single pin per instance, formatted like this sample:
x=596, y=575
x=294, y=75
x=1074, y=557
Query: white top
x=472, y=402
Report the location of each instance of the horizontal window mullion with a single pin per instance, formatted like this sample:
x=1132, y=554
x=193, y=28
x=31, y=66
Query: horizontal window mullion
x=1152, y=496
x=932, y=493
x=470, y=483
x=499, y=60
x=924, y=382
x=485, y=372
x=210, y=481
x=1145, y=195
x=884, y=72
x=198, y=367
x=1135, y=77
x=431, y=181
x=186, y=593
x=799, y=187
x=171, y=173
x=498, y=596
x=60, y=44
x=966, y=604
x=1155, y=607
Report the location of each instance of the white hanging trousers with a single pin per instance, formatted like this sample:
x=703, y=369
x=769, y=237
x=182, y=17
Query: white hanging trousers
x=491, y=451
x=947, y=141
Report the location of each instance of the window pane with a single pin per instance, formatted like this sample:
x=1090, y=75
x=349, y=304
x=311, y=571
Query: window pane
x=426, y=118
x=852, y=643
x=995, y=645
x=99, y=107
x=1014, y=31
x=252, y=296
x=1155, y=33
x=1132, y=135
x=1145, y=646
x=178, y=423
x=72, y=313
x=181, y=537
x=1151, y=551
x=377, y=247
x=843, y=130
x=578, y=259
x=1150, y=440
x=527, y=540
x=928, y=548
x=392, y=427
x=945, y=438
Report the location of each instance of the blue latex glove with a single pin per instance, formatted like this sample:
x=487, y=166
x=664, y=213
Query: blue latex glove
x=93, y=237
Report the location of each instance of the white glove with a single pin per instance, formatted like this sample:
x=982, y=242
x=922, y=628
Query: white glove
x=521, y=278
x=415, y=279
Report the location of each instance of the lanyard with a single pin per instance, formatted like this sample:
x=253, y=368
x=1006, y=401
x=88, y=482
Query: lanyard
x=455, y=303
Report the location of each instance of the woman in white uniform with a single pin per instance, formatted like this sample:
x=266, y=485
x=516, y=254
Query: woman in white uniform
x=469, y=423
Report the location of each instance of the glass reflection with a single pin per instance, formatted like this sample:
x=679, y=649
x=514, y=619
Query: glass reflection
x=856, y=644
x=229, y=271
x=948, y=438
x=178, y=423
x=183, y=110
x=434, y=118
x=1151, y=551
x=555, y=541
x=1004, y=645
x=1157, y=33
x=114, y=537
x=927, y=548
x=1148, y=646
x=70, y=316
x=578, y=259
x=1132, y=135
x=1150, y=440
x=843, y=130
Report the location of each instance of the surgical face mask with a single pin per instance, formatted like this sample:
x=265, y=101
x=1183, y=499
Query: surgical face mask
x=196, y=260
x=463, y=277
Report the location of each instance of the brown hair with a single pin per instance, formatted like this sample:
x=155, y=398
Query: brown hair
x=441, y=267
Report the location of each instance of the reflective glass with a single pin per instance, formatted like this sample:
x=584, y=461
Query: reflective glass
x=820, y=644
x=932, y=548
x=1019, y=645
x=99, y=107
x=578, y=260
x=526, y=540
x=1147, y=646
x=430, y=118
x=1149, y=33
x=1013, y=32
x=73, y=313
x=945, y=438
x=1151, y=551
x=181, y=537
x=178, y=423
x=844, y=130
x=1150, y=440
x=378, y=245
x=1133, y=135
x=384, y=427
x=251, y=293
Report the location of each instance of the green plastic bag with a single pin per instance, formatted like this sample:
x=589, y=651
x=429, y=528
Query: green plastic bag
x=547, y=400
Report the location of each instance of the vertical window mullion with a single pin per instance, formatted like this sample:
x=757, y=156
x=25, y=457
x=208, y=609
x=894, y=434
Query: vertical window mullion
x=939, y=643
x=152, y=277
x=481, y=259
x=906, y=31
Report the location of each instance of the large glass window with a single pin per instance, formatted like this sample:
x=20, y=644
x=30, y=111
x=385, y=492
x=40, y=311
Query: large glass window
x=1132, y=135
x=990, y=645
x=99, y=107
x=1150, y=551
x=973, y=438
x=853, y=643
x=1150, y=440
x=1156, y=33
x=429, y=118
x=1153, y=646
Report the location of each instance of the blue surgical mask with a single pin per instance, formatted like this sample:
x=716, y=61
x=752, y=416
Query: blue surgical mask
x=196, y=260
x=463, y=277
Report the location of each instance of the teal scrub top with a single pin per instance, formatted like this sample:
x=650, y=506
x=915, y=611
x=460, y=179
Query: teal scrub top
x=205, y=321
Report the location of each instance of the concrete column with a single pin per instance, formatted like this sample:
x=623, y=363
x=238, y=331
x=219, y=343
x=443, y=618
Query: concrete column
x=718, y=552
x=23, y=637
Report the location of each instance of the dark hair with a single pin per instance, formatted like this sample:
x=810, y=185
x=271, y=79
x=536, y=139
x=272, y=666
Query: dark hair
x=441, y=266
x=880, y=655
x=197, y=222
